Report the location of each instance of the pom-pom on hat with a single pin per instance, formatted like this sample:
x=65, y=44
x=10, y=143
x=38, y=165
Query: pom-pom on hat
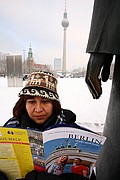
x=42, y=84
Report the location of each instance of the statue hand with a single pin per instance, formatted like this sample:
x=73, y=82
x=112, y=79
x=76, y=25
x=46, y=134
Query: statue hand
x=98, y=69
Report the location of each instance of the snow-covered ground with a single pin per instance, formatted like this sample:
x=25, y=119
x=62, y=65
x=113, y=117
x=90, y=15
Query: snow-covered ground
x=74, y=95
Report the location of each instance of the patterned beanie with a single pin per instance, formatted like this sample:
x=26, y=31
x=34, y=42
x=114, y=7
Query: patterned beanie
x=41, y=84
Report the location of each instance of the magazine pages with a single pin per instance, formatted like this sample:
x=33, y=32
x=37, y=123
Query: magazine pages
x=74, y=143
x=61, y=142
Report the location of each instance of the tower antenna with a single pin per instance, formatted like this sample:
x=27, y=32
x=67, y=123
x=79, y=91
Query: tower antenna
x=65, y=5
x=65, y=24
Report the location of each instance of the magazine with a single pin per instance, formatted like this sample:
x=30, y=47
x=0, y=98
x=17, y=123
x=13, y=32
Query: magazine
x=48, y=147
x=29, y=149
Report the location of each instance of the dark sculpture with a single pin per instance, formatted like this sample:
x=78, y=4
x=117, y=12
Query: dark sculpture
x=103, y=45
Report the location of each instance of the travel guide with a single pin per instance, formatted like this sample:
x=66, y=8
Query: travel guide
x=24, y=150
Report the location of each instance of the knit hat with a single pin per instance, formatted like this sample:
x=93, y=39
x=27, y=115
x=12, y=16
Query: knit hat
x=41, y=84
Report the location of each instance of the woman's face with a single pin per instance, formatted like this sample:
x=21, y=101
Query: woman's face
x=39, y=109
x=63, y=159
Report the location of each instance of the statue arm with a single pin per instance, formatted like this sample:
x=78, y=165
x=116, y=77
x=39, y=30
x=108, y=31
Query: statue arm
x=98, y=69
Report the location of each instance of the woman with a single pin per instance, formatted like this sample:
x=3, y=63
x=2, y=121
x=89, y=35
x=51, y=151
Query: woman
x=58, y=167
x=39, y=108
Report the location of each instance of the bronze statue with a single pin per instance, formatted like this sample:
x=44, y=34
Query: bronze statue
x=103, y=45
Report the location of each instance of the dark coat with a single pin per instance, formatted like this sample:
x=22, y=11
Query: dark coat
x=34, y=175
x=67, y=117
x=45, y=176
x=104, y=34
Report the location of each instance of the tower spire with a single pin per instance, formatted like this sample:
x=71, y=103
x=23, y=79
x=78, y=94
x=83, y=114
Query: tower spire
x=30, y=59
x=65, y=24
x=65, y=5
x=30, y=53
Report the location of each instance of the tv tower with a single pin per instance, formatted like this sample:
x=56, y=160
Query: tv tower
x=65, y=24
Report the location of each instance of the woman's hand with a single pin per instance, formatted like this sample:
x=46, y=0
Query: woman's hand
x=3, y=176
x=98, y=69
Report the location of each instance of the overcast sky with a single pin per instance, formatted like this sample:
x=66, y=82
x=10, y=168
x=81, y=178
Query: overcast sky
x=39, y=22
